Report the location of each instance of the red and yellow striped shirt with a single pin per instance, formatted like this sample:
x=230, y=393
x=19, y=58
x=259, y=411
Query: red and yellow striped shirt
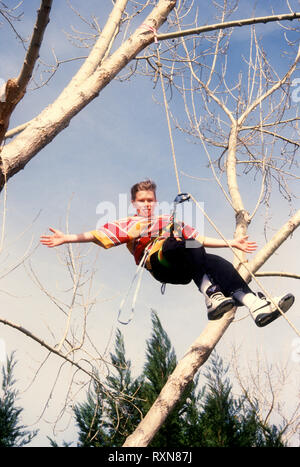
x=137, y=232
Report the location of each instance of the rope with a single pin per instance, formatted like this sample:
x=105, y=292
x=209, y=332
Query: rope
x=138, y=274
x=159, y=64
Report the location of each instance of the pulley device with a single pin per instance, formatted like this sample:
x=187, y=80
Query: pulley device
x=180, y=198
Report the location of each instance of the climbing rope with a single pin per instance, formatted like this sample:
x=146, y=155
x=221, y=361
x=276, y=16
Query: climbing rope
x=137, y=276
x=159, y=64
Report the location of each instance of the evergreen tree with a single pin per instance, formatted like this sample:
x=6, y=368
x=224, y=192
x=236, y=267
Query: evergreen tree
x=90, y=420
x=12, y=433
x=108, y=417
x=210, y=417
x=125, y=399
x=128, y=398
x=160, y=363
x=225, y=421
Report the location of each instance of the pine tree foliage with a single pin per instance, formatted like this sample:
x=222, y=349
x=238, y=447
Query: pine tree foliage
x=225, y=421
x=125, y=405
x=160, y=362
x=161, y=358
x=12, y=433
x=209, y=416
x=107, y=418
x=89, y=416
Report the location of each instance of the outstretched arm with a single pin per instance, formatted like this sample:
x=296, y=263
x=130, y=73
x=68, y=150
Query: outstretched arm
x=241, y=243
x=60, y=238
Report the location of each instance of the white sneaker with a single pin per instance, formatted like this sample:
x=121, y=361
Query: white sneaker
x=268, y=312
x=217, y=304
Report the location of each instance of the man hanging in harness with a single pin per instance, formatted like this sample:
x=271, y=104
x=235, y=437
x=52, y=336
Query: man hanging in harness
x=175, y=253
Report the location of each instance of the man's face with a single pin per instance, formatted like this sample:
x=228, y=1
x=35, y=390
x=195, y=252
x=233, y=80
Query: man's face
x=145, y=203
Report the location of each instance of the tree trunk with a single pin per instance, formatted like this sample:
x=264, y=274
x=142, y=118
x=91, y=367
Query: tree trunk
x=184, y=372
x=76, y=96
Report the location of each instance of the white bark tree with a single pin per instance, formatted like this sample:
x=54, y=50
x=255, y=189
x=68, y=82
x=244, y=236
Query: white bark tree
x=207, y=81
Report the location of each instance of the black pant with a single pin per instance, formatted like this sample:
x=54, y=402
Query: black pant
x=187, y=260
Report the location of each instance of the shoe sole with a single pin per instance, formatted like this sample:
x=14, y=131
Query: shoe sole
x=266, y=318
x=221, y=310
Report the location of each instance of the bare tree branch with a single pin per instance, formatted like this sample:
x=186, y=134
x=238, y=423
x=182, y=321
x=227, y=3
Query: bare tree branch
x=229, y=24
x=270, y=91
x=16, y=88
x=15, y=131
x=281, y=235
x=263, y=387
x=102, y=45
x=43, y=18
x=48, y=347
x=277, y=274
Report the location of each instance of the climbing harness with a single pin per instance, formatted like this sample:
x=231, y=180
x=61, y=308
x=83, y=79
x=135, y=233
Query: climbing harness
x=180, y=198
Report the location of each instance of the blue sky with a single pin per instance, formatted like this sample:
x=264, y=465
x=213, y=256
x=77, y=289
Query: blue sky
x=121, y=137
